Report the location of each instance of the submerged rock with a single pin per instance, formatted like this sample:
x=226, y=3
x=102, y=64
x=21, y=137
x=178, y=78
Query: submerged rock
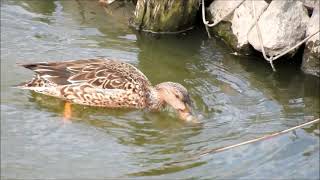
x=311, y=56
x=165, y=15
x=282, y=26
x=234, y=27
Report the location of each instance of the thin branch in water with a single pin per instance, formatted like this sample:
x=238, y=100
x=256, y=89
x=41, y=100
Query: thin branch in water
x=216, y=150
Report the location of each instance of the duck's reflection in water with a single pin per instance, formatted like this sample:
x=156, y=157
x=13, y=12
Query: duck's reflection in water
x=156, y=138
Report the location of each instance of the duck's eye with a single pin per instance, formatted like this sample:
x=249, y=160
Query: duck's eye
x=177, y=96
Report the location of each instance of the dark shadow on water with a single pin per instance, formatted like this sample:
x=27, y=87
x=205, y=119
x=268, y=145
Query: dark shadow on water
x=46, y=7
x=288, y=86
x=166, y=57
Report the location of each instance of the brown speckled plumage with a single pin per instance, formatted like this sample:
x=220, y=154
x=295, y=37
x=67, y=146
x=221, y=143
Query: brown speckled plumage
x=101, y=82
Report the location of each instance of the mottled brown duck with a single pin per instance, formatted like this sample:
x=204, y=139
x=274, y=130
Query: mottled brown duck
x=106, y=83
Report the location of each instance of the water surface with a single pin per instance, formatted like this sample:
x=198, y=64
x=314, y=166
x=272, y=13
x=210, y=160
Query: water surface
x=240, y=98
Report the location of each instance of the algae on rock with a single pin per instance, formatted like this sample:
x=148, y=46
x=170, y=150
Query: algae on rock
x=165, y=15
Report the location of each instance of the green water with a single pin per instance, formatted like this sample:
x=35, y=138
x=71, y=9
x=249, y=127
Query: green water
x=239, y=98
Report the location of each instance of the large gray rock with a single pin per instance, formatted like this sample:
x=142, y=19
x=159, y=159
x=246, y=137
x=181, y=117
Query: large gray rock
x=282, y=26
x=219, y=9
x=311, y=56
x=165, y=15
x=234, y=27
x=243, y=19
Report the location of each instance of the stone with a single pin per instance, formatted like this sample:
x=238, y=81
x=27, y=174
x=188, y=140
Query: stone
x=282, y=26
x=234, y=27
x=311, y=55
x=223, y=30
x=108, y=2
x=165, y=15
x=218, y=9
x=243, y=20
x=310, y=4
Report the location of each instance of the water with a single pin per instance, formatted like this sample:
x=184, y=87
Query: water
x=240, y=98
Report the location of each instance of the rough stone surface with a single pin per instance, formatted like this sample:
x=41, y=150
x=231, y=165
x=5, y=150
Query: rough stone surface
x=311, y=4
x=234, y=28
x=282, y=26
x=224, y=31
x=165, y=15
x=220, y=8
x=243, y=19
x=218, y=11
x=311, y=56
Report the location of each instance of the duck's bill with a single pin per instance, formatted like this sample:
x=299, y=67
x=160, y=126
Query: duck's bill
x=187, y=115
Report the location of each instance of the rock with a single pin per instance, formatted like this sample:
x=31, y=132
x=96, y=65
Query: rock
x=108, y=2
x=220, y=8
x=243, y=20
x=282, y=26
x=223, y=30
x=218, y=11
x=310, y=4
x=311, y=56
x=235, y=27
x=207, y=2
x=165, y=15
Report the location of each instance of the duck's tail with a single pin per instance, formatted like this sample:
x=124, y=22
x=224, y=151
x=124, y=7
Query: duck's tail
x=23, y=85
x=35, y=83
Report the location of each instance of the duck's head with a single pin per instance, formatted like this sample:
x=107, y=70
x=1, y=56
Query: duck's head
x=177, y=96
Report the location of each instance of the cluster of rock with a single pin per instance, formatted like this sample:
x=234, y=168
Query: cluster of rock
x=283, y=24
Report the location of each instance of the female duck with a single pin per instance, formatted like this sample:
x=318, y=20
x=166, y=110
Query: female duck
x=106, y=83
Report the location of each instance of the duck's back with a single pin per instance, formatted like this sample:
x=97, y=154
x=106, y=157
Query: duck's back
x=95, y=82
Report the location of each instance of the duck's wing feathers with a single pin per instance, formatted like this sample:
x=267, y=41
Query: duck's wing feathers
x=102, y=73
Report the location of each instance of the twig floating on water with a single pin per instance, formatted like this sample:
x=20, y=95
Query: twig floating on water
x=215, y=150
x=257, y=139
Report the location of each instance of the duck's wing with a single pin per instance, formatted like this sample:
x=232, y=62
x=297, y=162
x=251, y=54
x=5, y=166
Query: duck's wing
x=101, y=73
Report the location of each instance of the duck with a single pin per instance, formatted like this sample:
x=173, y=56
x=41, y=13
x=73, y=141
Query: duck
x=107, y=83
